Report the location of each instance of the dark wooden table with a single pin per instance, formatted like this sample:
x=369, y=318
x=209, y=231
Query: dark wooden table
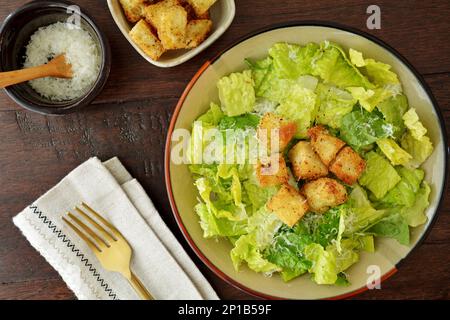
x=130, y=118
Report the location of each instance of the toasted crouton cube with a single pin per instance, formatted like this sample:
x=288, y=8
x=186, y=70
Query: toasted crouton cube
x=172, y=29
x=348, y=165
x=143, y=36
x=273, y=126
x=324, y=193
x=272, y=172
x=169, y=18
x=325, y=145
x=306, y=164
x=152, y=13
x=196, y=32
x=289, y=205
x=133, y=9
x=201, y=6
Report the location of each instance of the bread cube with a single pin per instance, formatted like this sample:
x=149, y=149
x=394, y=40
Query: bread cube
x=133, y=9
x=201, y=6
x=289, y=205
x=348, y=165
x=325, y=145
x=196, y=32
x=272, y=172
x=306, y=164
x=324, y=193
x=272, y=125
x=143, y=36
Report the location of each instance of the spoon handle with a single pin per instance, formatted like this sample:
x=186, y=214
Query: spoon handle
x=13, y=77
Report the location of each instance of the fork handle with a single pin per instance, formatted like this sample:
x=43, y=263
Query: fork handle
x=139, y=287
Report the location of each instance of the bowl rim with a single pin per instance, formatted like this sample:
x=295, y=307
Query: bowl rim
x=301, y=23
x=105, y=67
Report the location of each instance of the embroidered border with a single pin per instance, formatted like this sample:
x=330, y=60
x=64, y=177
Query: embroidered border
x=60, y=235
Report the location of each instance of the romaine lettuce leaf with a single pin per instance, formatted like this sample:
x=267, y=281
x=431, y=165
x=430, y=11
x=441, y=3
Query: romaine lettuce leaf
x=262, y=227
x=218, y=227
x=299, y=106
x=414, y=125
x=213, y=116
x=420, y=150
x=378, y=72
x=236, y=93
x=333, y=104
x=360, y=214
x=393, y=226
x=360, y=128
x=291, y=60
x=286, y=251
x=261, y=70
x=393, y=152
x=379, y=176
x=258, y=196
x=404, y=193
x=333, y=66
x=393, y=110
x=415, y=215
x=324, y=267
x=370, y=98
x=244, y=121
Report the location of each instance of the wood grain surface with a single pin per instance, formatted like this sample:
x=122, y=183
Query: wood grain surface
x=130, y=118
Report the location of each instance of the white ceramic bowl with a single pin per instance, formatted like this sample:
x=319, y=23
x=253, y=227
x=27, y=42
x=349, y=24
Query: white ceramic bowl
x=222, y=14
x=195, y=101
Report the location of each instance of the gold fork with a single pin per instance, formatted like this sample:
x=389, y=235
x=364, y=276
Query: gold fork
x=110, y=247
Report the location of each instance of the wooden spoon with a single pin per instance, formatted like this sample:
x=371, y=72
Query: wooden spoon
x=57, y=67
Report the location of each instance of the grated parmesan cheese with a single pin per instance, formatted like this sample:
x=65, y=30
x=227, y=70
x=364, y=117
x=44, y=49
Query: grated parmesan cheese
x=81, y=52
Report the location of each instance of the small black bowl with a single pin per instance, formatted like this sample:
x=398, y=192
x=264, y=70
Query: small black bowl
x=15, y=34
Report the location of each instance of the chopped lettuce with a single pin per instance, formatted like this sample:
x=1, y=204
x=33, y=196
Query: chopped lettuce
x=286, y=252
x=236, y=93
x=244, y=121
x=393, y=110
x=393, y=152
x=262, y=227
x=261, y=69
x=378, y=72
x=393, y=226
x=420, y=149
x=214, y=227
x=360, y=128
x=379, y=176
x=415, y=215
x=333, y=66
x=291, y=60
x=299, y=106
x=360, y=214
x=333, y=104
x=414, y=125
x=323, y=269
x=404, y=193
x=370, y=98
x=212, y=117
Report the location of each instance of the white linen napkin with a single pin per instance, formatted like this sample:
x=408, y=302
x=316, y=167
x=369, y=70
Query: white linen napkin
x=158, y=259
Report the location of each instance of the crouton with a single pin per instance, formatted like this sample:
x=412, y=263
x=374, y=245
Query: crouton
x=143, y=36
x=325, y=145
x=324, y=193
x=133, y=9
x=289, y=205
x=196, y=32
x=201, y=6
x=306, y=164
x=272, y=172
x=272, y=125
x=348, y=165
